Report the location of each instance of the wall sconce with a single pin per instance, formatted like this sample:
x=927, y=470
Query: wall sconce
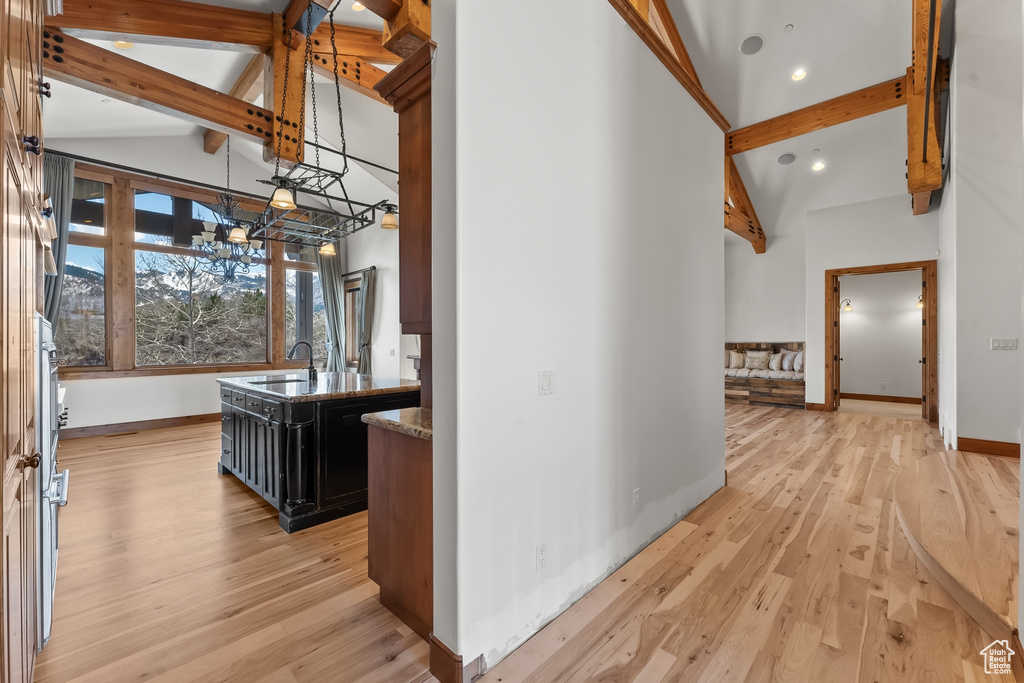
x=920, y=301
x=847, y=305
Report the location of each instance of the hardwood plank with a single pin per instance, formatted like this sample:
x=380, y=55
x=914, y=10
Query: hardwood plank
x=849, y=107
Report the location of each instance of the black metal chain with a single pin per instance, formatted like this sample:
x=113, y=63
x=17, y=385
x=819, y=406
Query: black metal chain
x=337, y=89
x=312, y=91
x=284, y=102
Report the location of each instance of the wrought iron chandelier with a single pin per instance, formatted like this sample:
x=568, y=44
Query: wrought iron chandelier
x=228, y=243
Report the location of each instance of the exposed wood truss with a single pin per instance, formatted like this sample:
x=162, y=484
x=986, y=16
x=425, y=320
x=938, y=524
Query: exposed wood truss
x=247, y=88
x=855, y=105
x=365, y=43
x=924, y=161
x=670, y=35
x=177, y=21
x=80, y=63
x=740, y=216
x=299, y=15
x=640, y=23
x=353, y=73
x=283, y=90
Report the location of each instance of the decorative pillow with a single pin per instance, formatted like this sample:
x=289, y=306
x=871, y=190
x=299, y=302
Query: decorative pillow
x=787, y=361
x=753, y=353
x=785, y=352
x=728, y=357
x=754, y=363
x=737, y=359
x=798, y=363
x=775, y=361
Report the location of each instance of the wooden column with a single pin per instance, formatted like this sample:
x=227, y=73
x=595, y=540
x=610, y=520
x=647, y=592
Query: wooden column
x=407, y=89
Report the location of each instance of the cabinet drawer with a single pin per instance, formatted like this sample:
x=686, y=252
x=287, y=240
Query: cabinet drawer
x=253, y=404
x=238, y=398
x=273, y=410
x=225, y=395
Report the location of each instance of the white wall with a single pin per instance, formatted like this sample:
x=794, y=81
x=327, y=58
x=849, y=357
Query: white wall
x=764, y=293
x=863, y=234
x=881, y=337
x=988, y=172
x=587, y=242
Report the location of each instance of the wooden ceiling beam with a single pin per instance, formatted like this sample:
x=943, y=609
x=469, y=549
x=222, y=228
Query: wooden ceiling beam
x=408, y=29
x=247, y=88
x=365, y=43
x=77, y=62
x=179, y=22
x=353, y=73
x=924, y=154
x=675, y=40
x=385, y=9
x=855, y=105
x=738, y=222
x=285, y=96
x=662, y=51
x=738, y=192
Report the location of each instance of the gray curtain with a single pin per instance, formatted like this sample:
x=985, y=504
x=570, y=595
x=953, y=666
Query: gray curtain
x=59, y=184
x=331, y=269
x=366, y=319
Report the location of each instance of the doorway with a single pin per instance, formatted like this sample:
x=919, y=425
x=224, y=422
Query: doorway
x=834, y=305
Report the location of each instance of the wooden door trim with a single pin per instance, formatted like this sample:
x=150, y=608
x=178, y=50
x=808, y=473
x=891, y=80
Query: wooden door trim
x=929, y=271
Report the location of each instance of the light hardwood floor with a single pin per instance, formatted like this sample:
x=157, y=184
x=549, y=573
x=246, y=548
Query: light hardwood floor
x=906, y=411
x=797, y=571
x=170, y=572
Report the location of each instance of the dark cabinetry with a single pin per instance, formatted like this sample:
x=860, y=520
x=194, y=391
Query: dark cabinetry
x=306, y=458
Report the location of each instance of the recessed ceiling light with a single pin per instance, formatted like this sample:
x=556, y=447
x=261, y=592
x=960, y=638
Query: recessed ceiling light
x=358, y=6
x=752, y=44
x=786, y=159
x=818, y=166
x=799, y=74
x=104, y=101
x=787, y=28
x=124, y=44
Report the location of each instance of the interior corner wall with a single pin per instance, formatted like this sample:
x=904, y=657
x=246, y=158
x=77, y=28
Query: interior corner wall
x=988, y=172
x=373, y=246
x=947, y=301
x=764, y=293
x=588, y=243
x=876, y=232
x=880, y=339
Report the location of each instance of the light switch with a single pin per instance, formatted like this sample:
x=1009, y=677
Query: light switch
x=1003, y=343
x=545, y=382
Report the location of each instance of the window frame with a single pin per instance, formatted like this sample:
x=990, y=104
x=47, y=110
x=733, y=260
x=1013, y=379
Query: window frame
x=120, y=250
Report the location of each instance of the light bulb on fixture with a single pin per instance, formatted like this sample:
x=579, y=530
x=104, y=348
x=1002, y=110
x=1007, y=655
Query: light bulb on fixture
x=799, y=75
x=124, y=44
x=283, y=199
x=237, y=236
x=818, y=166
x=358, y=6
x=328, y=249
x=390, y=220
x=847, y=305
x=920, y=301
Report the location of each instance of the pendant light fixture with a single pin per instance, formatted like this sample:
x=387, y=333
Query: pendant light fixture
x=328, y=249
x=283, y=198
x=237, y=252
x=847, y=305
x=390, y=219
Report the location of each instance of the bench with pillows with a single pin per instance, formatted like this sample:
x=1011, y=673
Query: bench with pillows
x=765, y=374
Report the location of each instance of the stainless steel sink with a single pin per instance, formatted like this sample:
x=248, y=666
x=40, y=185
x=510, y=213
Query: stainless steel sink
x=279, y=381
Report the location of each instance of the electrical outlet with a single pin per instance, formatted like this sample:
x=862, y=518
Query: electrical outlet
x=636, y=498
x=392, y=352
x=545, y=382
x=542, y=555
x=1003, y=344
x=883, y=385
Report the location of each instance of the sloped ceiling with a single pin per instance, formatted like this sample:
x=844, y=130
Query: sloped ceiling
x=843, y=46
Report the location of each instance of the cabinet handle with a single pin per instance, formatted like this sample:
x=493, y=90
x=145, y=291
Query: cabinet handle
x=31, y=461
x=44, y=89
x=239, y=398
x=31, y=143
x=226, y=451
x=225, y=418
x=254, y=403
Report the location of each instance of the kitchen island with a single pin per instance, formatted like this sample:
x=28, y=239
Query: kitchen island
x=301, y=445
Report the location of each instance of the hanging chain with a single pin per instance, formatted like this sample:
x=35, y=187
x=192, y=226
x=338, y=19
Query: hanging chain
x=284, y=103
x=229, y=166
x=312, y=93
x=337, y=89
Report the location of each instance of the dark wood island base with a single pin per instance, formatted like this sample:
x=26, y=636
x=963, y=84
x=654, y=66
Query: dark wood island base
x=302, y=446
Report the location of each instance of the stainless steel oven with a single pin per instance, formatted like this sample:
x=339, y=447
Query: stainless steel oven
x=53, y=487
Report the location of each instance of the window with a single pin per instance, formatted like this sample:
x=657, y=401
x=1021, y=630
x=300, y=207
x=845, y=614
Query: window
x=353, y=323
x=186, y=315
x=132, y=264
x=305, y=317
x=81, y=330
x=81, y=333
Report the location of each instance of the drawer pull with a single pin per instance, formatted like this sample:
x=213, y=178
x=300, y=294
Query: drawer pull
x=225, y=418
x=239, y=398
x=254, y=403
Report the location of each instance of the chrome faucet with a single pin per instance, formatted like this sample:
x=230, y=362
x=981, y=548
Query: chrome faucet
x=311, y=369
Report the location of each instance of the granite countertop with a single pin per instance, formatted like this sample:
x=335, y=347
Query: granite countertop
x=328, y=385
x=416, y=422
